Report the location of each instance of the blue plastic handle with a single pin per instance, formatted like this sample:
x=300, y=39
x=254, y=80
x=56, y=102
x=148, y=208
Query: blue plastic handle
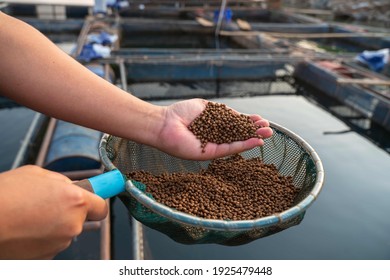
x=108, y=184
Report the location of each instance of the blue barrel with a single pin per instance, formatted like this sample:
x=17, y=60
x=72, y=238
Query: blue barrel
x=73, y=148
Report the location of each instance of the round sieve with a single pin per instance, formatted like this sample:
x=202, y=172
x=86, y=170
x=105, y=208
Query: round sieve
x=291, y=154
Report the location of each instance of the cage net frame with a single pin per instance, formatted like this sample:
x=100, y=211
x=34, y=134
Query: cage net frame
x=207, y=77
x=294, y=157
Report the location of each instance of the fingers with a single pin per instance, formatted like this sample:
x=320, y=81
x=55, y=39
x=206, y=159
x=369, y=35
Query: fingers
x=262, y=123
x=264, y=132
x=255, y=118
x=97, y=207
x=241, y=146
x=44, y=173
x=222, y=150
x=56, y=176
x=50, y=212
x=213, y=150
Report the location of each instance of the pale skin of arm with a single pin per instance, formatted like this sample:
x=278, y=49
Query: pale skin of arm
x=42, y=77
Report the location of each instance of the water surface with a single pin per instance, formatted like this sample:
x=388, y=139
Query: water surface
x=14, y=124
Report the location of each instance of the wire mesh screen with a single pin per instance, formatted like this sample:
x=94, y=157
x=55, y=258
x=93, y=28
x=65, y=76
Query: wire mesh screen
x=208, y=79
x=209, y=89
x=289, y=153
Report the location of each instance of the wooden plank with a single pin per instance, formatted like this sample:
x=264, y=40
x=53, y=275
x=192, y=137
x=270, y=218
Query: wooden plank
x=308, y=11
x=274, y=4
x=243, y=24
x=303, y=35
x=363, y=81
x=204, y=22
x=82, y=3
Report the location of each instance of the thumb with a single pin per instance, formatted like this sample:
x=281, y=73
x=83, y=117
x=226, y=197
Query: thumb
x=97, y=208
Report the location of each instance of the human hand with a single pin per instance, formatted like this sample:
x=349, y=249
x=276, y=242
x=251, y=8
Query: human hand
x=41, y=212
x=176, y=139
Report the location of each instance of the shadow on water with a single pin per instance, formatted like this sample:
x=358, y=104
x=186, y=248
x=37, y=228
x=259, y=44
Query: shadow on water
x=355, y=121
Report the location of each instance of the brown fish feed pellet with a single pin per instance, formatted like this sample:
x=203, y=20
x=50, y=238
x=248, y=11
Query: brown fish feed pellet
x=232, y=188
x=220, y=124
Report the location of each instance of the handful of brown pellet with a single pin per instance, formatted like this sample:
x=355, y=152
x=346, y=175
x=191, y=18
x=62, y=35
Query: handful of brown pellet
x=231, y=188
x=220, y=124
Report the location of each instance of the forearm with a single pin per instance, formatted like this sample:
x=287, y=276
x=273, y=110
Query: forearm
x=41, y=76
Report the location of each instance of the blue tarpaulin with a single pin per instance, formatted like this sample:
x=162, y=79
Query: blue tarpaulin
x=94, y=51
x=375, y=60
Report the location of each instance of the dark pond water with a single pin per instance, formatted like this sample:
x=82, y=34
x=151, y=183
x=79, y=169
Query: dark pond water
x=340, y=46
x=14, y=123
x=174, y=40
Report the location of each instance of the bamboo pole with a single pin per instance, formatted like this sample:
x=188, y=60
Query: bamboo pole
x=308, y=11
x=302, y=35
x=243, y=24
x=274, y=4
x=363, y=81
x=204, y=22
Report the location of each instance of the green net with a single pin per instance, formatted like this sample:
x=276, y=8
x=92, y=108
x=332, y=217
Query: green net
x=288, y=152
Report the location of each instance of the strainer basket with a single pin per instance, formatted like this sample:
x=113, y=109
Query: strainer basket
x=292, y=156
